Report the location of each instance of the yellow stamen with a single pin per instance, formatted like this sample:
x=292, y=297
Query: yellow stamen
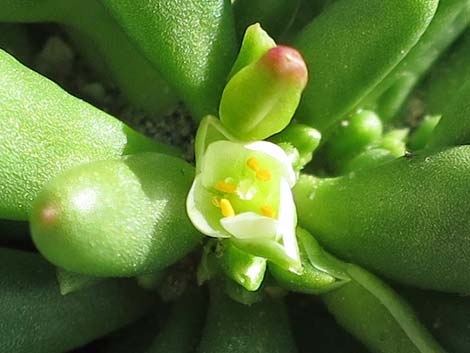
x=226, y=208
x=215, y=202
x=225, y=187
x=263, y=175
x=253, y=164
x=268, y=211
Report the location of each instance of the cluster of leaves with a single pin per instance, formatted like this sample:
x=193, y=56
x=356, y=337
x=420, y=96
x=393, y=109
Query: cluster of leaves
x=362, y=187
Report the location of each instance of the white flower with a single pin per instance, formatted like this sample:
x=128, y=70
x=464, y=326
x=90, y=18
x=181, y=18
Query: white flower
x=243, y=192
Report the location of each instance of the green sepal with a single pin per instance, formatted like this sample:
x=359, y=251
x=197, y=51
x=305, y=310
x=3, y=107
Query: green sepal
x=245, y=269
x=241, y=295
x=311, y=279
x=269, y=249
x=256, y=42
x=394, y=141
x=223, y=257
x=319, y=258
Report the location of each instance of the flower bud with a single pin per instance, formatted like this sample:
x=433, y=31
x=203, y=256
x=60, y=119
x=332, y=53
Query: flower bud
x=395, y=141
x=256, y=43
x=303, y=138
x=352, y=137
x=261, y=98
x=369, y=158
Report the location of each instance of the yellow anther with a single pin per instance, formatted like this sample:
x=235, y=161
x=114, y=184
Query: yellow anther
x=225, y=187
x=226, y=208
x=263, y=175
x=268, y=211
x=253, y=164
x=215, y=202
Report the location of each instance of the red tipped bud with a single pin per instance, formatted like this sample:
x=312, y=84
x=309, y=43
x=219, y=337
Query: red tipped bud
x=256, y=43
x=287, y=63
x=261, y=98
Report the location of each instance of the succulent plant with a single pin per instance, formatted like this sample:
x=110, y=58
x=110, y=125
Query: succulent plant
x=331, y=174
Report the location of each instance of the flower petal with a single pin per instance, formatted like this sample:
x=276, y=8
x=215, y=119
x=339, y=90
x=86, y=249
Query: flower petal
x=288, y=221
x=250, y=225
x=277, y=153
x=222, y=159
x=202, y=213
x=210, y=130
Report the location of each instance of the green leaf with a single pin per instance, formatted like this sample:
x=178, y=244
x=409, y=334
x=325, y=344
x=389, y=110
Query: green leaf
x=350, y=47
x=191, y=43
x=377, y=316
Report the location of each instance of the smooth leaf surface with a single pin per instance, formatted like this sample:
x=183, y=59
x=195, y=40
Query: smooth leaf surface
x=350, y=47
x=191, y=43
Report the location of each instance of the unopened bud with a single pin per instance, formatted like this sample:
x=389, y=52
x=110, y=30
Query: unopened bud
x=261, y=98
x=352, y=137
x=286, y=63
x=256, y=43
x=303, y=137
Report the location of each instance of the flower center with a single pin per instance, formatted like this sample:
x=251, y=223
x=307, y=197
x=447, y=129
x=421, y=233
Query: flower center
x=231, y=191
x=226, y=208
x=261, y=173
